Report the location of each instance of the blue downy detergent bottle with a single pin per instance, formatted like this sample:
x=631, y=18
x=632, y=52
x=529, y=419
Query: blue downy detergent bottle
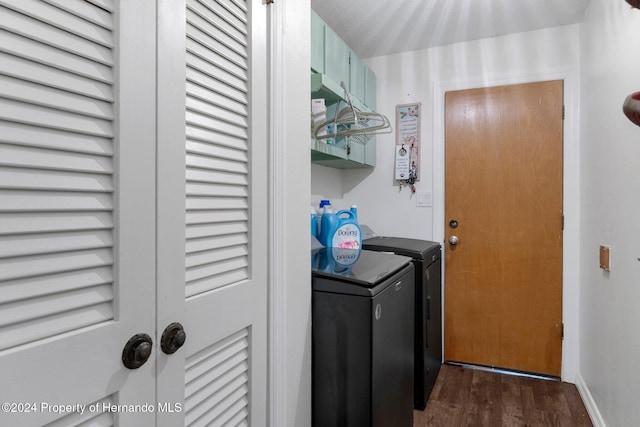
x=340, y=230
x=314, y=222
x=325, y=205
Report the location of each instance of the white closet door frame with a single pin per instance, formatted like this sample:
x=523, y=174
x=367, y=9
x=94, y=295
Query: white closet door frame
x=136, y=183
x=171, y=204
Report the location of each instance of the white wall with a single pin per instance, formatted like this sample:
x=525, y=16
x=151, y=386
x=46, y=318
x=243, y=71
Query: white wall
x=424, y=76
x=610, y=174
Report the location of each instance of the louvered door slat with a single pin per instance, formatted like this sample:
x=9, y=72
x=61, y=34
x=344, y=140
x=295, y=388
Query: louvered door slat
x=216, y=268
x=217, y=133
x=218, y=124
x=205, y=34
x=215, y=67
x=83, y=9
x=216, y=203
x=200, y=189
x=33, y=287
x=215, y=395
x=218, y=375
x=221, y=11
x=62, y=18
x=56, y=169
x=217, y=381
x=208, y=102
x=196, y=245
x=55, y=119
x=215, y=255
x=54, y=160
x=198, y=13
x=219, y=280
x=234, y=347
x=206, y=217
x=53, y=201
x=199, y=175
x=54, y=98
x=221, y=108
x=103, y=4
x=36, y=136
x=55, y=36
x=48, y=326
x=198, y=135
x=21, y=312
x=222, y=402
x=196, y=77
x=214, y=163
x=24, y=69
x=228, y=66
x=26, y=223
x=38, y=265
x=59, y=59
x=225, y=69
x=16, y=178
x=36, y=244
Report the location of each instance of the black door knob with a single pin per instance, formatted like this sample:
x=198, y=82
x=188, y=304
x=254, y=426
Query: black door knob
x=137, y=351
x=173, y=338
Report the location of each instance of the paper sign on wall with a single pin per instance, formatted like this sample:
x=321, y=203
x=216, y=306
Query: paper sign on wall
x=408, y=141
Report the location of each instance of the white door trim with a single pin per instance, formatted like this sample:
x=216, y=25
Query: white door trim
x=571, y=190
x=277, y=343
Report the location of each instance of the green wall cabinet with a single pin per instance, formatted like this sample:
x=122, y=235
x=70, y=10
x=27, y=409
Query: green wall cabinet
x=317, y=43
x=336, y=57
x=333, y=62
x=357, y=78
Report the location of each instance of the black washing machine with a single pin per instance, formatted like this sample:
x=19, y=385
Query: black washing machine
x=362, y=339
x=427, y=260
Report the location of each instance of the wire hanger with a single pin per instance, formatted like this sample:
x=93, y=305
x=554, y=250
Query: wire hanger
x=351, y=122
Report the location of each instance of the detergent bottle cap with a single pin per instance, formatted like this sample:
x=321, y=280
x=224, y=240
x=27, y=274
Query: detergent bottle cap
x=354, y=211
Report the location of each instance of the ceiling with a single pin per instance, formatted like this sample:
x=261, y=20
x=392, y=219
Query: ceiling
x=382, y=27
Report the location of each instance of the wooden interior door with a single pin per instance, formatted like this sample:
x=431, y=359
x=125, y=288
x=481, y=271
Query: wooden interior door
x=503, y=184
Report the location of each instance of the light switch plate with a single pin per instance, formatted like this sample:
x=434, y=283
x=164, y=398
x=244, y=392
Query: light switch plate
x=424, y=198
x=605, y=258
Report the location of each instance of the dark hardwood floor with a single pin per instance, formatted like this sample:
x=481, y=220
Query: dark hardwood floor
x=471, y=397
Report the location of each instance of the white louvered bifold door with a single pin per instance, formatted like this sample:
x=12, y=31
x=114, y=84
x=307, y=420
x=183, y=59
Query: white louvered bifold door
x=77, y=213
x=224, y=283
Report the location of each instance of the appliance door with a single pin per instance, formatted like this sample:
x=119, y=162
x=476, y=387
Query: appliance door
x=392, y=353
x=432, y=315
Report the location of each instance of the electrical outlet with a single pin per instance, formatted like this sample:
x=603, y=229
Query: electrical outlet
x=605, y=258
x=424, y=198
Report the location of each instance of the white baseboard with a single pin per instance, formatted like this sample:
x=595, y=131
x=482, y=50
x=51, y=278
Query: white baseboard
x=589, y=403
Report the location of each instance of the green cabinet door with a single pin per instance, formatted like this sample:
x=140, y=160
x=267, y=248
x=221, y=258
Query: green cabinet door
x=336, y=57
x=370, y=89
x=357, y=77
x=317, y=43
